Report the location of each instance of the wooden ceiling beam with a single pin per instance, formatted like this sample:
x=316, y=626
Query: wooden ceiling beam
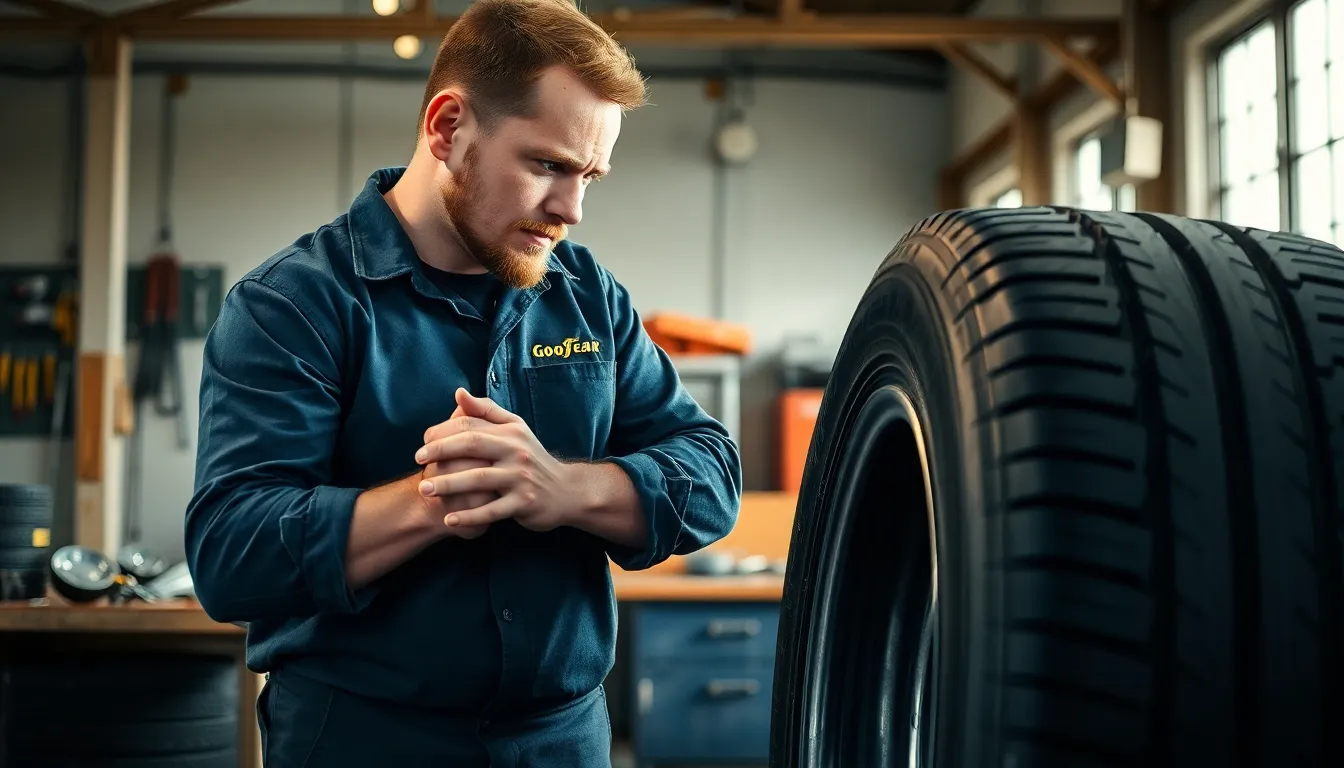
x=972, y=62
x=54, y=9
x=868, y=31
x=44, y=28
x=170, y=9
x=1087, y=71
x=1001, y=137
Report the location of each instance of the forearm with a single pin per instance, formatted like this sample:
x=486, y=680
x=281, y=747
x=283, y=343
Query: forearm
x=391, y=524
x=609, y=506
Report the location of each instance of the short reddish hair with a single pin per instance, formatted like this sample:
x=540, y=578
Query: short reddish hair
x=497, y=49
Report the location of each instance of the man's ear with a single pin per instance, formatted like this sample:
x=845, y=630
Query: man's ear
x=444, y=118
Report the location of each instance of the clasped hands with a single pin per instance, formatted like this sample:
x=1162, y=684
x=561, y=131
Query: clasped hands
x=484, y=464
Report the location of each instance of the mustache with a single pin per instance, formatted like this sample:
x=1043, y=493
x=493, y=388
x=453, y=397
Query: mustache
x=556, y=232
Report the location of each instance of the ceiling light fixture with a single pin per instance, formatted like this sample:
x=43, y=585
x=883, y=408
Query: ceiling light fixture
x=386, y=7
x=407, y=46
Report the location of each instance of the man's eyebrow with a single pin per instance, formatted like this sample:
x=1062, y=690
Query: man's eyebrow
x=570, y=162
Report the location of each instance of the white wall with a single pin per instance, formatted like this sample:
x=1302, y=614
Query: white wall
x=259, y=162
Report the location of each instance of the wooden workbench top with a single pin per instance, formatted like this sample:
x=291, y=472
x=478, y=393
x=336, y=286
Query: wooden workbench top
x=186, y=617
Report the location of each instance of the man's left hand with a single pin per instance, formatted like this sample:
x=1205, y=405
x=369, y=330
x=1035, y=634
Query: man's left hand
x=534, y=487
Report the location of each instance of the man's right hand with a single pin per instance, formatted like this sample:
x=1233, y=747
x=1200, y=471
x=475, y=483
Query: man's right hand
x=441, y=507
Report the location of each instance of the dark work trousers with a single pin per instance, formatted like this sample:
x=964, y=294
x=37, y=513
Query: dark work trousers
x=306, y=724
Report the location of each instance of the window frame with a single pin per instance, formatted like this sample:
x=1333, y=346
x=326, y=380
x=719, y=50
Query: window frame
x=1069, y=139
x=990, y=188
x=1277, y=13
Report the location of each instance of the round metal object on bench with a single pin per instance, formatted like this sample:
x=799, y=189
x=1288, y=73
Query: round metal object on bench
x=81, y=574
x=144, y=564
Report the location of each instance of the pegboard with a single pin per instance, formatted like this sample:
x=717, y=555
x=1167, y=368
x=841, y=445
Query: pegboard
x=39, y=327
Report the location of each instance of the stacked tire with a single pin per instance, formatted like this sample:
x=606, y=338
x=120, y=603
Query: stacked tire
x=120, y=711
x=25, y=541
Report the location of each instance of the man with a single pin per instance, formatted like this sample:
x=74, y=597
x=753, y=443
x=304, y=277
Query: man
x=426, y=426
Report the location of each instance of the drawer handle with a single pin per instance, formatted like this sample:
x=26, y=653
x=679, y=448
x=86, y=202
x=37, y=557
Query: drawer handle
x=734, y=628
x=722, y=689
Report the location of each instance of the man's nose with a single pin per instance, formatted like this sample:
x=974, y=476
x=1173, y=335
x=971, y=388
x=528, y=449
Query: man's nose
x=566, y=201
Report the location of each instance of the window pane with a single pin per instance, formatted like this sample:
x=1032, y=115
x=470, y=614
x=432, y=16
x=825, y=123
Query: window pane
x=1126, y=198
x=1086, y=171
x=1234, y=162
x=1309, y=112
x=1339, y=184
x=1335, y=50
x=1262, y=138
x=1261, y=70
x=1254, y=204
x=1312, y=203
x=1262, y=199
x=1232, y=95
x=1337, y=90
x=1307, y=26
x=1010, y=199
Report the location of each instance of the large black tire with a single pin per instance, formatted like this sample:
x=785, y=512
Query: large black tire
x=1125, y=434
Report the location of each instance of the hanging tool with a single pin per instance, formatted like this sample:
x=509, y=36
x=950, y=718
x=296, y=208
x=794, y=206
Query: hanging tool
x=159, y=374
x=5, y=359
x=63, y=317
x=17, y=393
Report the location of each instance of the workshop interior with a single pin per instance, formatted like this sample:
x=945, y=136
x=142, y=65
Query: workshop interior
x=1026, y=316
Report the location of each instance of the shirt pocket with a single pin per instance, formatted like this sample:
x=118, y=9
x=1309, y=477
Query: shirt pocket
x=572, y=407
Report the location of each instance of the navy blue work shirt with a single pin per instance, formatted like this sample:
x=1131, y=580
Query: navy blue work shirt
x=327, y=364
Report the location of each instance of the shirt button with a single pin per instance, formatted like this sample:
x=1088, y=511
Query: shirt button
x=507, y=614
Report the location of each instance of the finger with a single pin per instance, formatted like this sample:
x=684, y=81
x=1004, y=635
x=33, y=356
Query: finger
x=459, y=424
x=455, y=465
x=495, y=511
x=483, y=408
x=488, y=479
x=468, y=445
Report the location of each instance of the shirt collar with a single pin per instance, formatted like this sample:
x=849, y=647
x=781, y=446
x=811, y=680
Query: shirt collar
x=382, y=249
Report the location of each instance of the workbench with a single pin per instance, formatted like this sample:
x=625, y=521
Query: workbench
x=698, y=650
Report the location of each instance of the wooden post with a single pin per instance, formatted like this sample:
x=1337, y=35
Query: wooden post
x=1031, y=153
x=102, y=397
x=1148, y=91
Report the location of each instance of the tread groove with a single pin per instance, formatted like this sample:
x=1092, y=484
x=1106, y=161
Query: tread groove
x=1323, y=491
x=1108, y=330
x=1033, y=278
x=1073, y=567
x=1040, y=682
x=1099, y=640
x=1056, y=361
x=1230, y=400
x=1157, y=503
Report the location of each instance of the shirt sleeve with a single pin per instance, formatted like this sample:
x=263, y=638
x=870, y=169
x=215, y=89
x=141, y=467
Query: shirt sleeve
x=265, y=530
x=685, y=467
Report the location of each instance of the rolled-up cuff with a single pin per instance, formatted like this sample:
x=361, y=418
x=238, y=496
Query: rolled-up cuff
x=317, y=539
x=664, y=491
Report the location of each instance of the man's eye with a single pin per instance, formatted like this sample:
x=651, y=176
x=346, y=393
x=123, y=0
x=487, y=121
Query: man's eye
x=550, y=167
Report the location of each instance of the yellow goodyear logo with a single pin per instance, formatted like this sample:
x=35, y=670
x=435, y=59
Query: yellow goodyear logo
x=570, y=346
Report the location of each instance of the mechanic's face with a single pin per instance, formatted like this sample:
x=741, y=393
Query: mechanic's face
x=517, y=190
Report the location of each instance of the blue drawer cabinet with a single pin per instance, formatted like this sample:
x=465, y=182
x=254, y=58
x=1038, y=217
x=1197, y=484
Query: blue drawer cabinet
x=701, y=679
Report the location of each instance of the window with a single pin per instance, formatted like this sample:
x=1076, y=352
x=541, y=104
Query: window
x=1009, y=199
x=1089, y=192
x=1279, y=105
